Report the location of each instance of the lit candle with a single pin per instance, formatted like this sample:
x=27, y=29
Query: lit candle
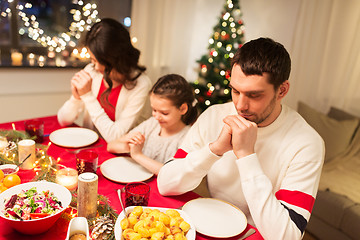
x=16, y=58
x=31, y=59
x=68, y=178
x=3, y=143
x=41, y=61
x=26, y=147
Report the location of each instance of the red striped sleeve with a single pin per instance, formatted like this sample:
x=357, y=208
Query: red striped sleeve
x=296, y=198
x=180, y=153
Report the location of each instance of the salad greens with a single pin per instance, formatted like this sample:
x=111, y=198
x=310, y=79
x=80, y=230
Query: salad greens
x=31, y=204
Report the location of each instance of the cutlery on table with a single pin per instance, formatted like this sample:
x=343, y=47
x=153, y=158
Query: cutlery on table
x=78, y=150
x=249, y=232
x=121, y=202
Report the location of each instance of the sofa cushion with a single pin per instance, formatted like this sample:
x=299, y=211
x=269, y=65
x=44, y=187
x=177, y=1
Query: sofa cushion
x=350, y=224
x=339, y=114
x=330, y=207
x=337, y=135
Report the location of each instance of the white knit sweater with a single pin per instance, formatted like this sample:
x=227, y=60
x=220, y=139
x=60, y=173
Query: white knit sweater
x=157, y=147
x=132, y=107
x=275, y=187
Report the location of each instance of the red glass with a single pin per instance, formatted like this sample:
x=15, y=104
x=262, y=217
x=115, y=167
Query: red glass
x=86, y=161
x=137, y=194
x=35, y=127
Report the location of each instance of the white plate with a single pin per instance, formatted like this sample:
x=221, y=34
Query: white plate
x=215, y=218
x=73, y=137
x=124, y=170
x=118, y=231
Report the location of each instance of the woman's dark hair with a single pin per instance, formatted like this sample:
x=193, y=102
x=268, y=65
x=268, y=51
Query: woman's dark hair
x=110, y=43
x=264, y=55
x=175, y=88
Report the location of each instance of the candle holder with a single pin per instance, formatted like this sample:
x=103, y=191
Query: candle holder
x=68, y=178
x=26, y=148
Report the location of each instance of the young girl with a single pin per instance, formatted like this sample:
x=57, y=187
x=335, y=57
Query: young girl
x=156, y=140
x=113, y=90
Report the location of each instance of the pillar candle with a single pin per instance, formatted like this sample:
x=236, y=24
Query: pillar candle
x=3, y=143
x=26, y=147
x=87, y=195
x=16, y=58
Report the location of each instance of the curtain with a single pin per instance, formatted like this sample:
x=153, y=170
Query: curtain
x=172, y=35
x=326, y=55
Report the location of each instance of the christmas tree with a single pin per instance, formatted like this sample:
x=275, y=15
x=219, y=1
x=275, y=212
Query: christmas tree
x=211, y=87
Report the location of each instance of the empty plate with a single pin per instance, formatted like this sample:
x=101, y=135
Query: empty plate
x=124, y=170
x=73, y=137
x=215, y=218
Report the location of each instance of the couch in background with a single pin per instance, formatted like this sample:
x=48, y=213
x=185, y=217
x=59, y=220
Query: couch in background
x=336, y=213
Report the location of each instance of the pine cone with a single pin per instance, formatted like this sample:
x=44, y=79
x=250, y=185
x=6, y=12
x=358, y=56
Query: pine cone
x=103, y=228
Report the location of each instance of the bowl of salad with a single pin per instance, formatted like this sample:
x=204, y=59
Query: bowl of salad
x=33, y=207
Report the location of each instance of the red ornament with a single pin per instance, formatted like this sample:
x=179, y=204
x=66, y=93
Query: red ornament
x=208, y=93
x=225, y=37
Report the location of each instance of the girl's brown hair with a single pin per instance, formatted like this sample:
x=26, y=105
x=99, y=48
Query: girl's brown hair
x=175, y=88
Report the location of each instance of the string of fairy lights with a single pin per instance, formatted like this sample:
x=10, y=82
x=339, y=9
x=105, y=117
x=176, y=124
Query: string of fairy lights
x=83, y=18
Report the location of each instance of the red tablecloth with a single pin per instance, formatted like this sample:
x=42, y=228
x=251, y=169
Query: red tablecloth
x=105, y=187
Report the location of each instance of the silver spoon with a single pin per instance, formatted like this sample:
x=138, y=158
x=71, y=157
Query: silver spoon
x=121, y=202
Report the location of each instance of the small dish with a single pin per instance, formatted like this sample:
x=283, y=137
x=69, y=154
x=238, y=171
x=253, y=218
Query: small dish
x=78, y=225
x=9, y=169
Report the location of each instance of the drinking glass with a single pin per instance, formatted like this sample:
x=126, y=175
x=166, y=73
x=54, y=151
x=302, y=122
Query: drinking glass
x=137, y=194
x=35, y=127
x=86, y=161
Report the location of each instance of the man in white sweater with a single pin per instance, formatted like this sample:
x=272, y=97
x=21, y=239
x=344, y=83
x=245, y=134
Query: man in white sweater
x=257, y=153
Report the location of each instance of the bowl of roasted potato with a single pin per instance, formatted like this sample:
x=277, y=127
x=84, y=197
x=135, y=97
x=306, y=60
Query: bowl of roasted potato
x=154, y=223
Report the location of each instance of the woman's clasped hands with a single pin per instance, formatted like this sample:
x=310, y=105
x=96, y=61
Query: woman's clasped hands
x=80, y=84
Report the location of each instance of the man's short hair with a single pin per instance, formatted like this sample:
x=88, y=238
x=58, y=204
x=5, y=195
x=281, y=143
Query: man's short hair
x=264, y=55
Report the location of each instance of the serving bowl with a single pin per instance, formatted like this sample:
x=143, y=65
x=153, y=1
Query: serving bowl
x=40, y=225
x=9, y=169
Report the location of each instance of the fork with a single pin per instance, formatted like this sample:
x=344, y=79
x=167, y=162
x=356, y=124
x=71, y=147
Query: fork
x=78, y=150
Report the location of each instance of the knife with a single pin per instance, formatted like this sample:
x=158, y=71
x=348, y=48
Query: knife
x=251, y=231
